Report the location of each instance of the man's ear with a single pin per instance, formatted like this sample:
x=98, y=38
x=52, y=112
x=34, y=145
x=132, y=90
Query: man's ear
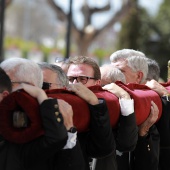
x=98, y=82
x=139, y=77
x=5, y=93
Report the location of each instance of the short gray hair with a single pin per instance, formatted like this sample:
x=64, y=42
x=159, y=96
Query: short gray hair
x=23, y=70
x=136, y=60
x=138, y=63
x=62, y=77
x=125, y=53
x=111, y=74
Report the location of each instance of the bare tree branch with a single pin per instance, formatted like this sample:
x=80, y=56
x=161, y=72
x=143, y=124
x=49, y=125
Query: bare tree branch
x=117, y=17
x=7, y=2
x=88, y=12
x=60, y=13
x=88, y=32
x=86, y=7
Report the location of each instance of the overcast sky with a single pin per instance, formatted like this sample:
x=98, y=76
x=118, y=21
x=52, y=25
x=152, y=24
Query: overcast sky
x=152, y=7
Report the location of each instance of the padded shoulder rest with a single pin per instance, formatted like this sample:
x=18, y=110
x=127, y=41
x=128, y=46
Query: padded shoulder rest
x=142, y=96
x=20, y=100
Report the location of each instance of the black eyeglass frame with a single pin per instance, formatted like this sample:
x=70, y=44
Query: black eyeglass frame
x=47, y=85
x=78, y=79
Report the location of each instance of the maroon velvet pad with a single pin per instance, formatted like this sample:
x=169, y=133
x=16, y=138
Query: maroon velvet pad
x=80, y=108
x=22, y=101
x=142, y=96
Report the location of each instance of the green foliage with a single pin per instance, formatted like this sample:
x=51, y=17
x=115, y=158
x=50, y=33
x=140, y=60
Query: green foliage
x=101, y=54
x=130, y=30
x=159, y=49
x=148, y=34
x=26, y=46
x=163, y=17
x=18, y=43
x=134, y=30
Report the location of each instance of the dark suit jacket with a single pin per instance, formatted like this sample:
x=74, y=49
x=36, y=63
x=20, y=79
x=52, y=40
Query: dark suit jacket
x=99, y=141
x=126, y=136
x=146, y=154
x=163, y=126
x=126, y=133
x=143, y=155
x=65, y=159
x=28, y=155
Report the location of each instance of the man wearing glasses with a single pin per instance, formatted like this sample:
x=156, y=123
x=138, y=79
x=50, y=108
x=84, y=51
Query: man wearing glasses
x=84, y=72
x=89, y=143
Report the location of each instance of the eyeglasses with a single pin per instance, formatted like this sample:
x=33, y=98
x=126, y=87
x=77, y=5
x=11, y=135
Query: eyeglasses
x=47, y=85
x=82, y=79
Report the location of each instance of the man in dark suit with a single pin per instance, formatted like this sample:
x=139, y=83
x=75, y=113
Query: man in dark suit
x=84, y=72
x=53, y=149
x=146, y=154
x=163, y=124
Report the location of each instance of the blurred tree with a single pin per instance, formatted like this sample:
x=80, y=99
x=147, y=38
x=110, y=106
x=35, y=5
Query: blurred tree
x=139, y=30
x=151, y=35
x=158, y=44
x=130, y=32
x=7, y=2
x=86, y=35
x=31, y=20
x=136, y=29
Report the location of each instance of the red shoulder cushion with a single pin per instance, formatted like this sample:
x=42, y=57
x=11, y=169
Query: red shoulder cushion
x=142, y=96
x=20, y=100
x=80, y=108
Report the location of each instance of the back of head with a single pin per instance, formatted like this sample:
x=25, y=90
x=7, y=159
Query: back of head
x=5, y=82
x=23, y=70
x=138, y=63
x=136, y=60
x=125, y=53
x=62, y=77
x=111, y=74
x=153, y=70
x=86, y=60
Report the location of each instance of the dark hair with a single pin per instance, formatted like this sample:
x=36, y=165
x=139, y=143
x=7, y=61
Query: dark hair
x=89, y=61
x=5, y=82
x=60, y=74
x=153, y=69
